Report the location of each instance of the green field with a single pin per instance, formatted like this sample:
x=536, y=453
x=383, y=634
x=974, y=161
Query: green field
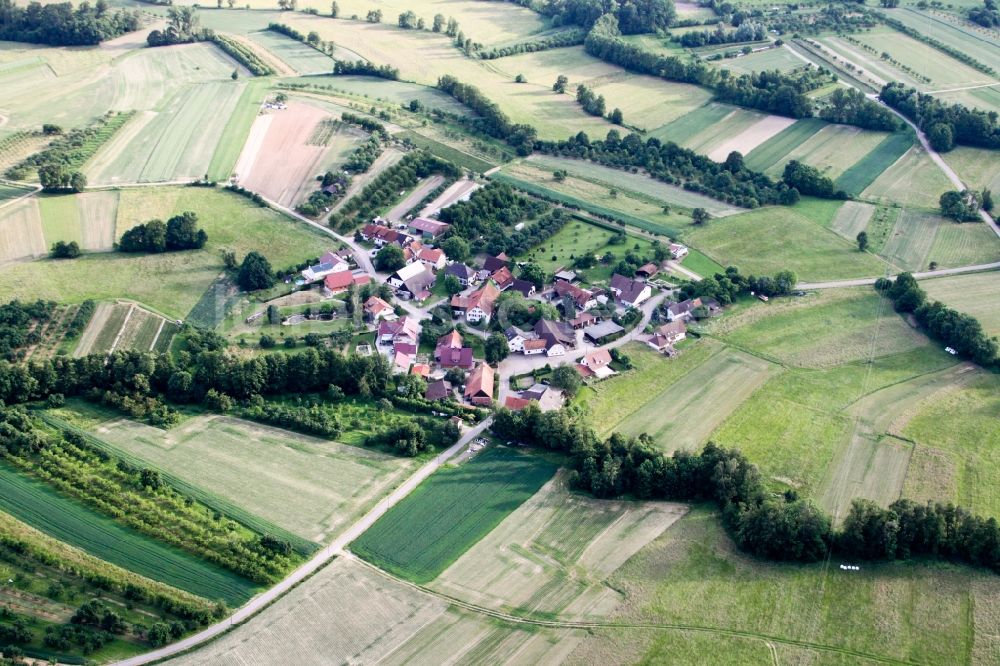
x=833, y=150
x=11, y=191
x=66, y=520
x=767, y=154
x=60, y=218
x=780, y=59
x=977, y=167
x=303, y=58
x=693, y=123
x=649, y=102
x=701, y=264
x=958, y=35
x=449, y=512
x=169, y=283
x=385, y=90
x=943, y=70
x=864, y=172
x=234, y=134
x=913, y=180
x=974, y=294
x=749, y=242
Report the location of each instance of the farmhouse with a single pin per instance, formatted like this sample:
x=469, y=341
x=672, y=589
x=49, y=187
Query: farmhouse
x=435, y=259
x=413, y=281
x=583, y=299
x=427, y=229
x=479, y=387
x=534, y=346
x=455, y=358
x=382, y=236
x=603, y=332
x=462, y=273
x=629, y=292
x=557, y=337
x=477, y=306
x=493, y=264
x=375, y=309
x=596, y=364
x=503, y=279
x=452, y=340
x=328, y=263
x=516, y=337
x=401, y=363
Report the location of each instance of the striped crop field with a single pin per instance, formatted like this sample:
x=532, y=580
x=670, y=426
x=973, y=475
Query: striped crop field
x=692, y=123
x=770, y=152
x=62, y=518
x=451, y=511
x=863, y=173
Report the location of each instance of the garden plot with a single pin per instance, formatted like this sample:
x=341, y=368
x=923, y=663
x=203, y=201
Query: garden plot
x=553, y=553
x=21, y=231
x=122, y=326
x=751, y=137
x=308, y=486
x=282, y=158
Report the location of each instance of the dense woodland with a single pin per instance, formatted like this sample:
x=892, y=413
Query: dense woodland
x=945, y=124
x=20, y=325
x=61, y=25
x=181, y=232
x=763, y=523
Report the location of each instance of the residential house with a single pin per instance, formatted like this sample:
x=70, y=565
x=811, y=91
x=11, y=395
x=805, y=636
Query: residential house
x=630, y=292
x=477, y=306
x=583, y=299
x=558, y=337
x=413, y=281
x=533, y=346
x=381, y=236
x=421, y=370
x=438, y=390
x=664, y=337
x=682, y=311
x=647, y=271
x=375, y=308
x=338, y=282
x=479, y=387
x=455, y=358
x=678, y=251
x=493, y=264
x=526, y=288
x=603, y=332
x=328, y=263
x=404, y=348
x=516, y=337
x=401, y=363
x=426, y=228
x=503, y=278
x=462, y=273
x=596, y=364
x=433, y=258
x=404, y=329
x=452, y=340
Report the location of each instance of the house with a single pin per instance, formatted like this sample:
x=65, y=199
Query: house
x=682, y=311
x=404, y=347
x=413, y=281
x=479, y=387
x=565, y=276
x=434, y=259
x=603, y=332
x=401, y=363
x=462, y=273
x=673, y=332
x=557, y=337
x=455, y=358
x=375, y=308
x=404, y=329
x=399, y=278
x=452, y=340
x=583, y=299
x=548, y=398
x=596, y=364
x=421, y=370
x=477, y=306
x=678, y=251
x=515, y=404
x=503, y=278
x=526, y=288
x=382, y=236
x=493, y=264
x=338, y=282
x=328, y=263
x=427, y=229
x=515, y=338
x=438, y=390
x=534, y=346
x=629, y=292
x=647, y=271
x=583, y=320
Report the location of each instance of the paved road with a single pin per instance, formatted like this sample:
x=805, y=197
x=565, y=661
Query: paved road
x=335, y=548
x=941, y=272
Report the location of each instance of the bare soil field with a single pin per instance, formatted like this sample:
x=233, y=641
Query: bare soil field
x=751, y=137
x=279, y=161
x=21, y=231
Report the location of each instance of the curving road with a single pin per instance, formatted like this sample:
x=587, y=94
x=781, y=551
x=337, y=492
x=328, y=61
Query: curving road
x=335, y=548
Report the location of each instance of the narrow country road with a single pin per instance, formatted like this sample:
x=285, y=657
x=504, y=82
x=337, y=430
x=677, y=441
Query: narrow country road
x=860, y=282
x=335, y=548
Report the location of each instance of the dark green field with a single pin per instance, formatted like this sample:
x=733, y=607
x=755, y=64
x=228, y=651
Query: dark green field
x=449, y=512
x=41, y=507
x=864, y=172
x=767, y=154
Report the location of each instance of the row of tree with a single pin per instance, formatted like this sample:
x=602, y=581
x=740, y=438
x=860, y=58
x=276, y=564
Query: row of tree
x=181, y=232
x=634, y=16
x=563, y=39
x=778, y=527
x=364, y=68
x=945, y=124
x=748, y=31
x=61, y=25
x=491, y=120
x=728, y=286
x=960, y=331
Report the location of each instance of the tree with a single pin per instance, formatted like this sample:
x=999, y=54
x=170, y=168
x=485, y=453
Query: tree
x=183, y=232
x=437, y=25
x=334, y=9
x=374, y=16
x=407, y=20
x=534, y=274
x=255, y=272
x=559, y=175
x=452, y=285
x=961, y=206
x=520, y=79
x=64, y=250
x=941, y=137
x=699, y=216
x=862, y=239
x=560, y=85
x=566, y=377
x=616, y=117
x=390, y=258
x=496, y=348
x=456, y=248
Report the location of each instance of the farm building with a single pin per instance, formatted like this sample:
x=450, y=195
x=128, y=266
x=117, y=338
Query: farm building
x=678, y=251
x=630, y=292
x=583, y=299
x=565, y=276
x=381, y=235
x=534, y=346
x=503, y=279
x=603, y=332
x=455, y=358
x=515, y=404
x=328, y=263
x=516, y=337
x=583, y=320
x=479, y=388
x=557, y=337
x=548, y=398
x=427, y=229
x=493, y=264
x=647, y=271
x=477, y=306
x=413, y=281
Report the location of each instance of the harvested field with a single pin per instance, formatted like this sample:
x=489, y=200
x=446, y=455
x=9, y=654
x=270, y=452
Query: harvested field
x=21, y=231
x=733, y=124
x=753, y=136
x=301, y=58
x=913, y=180
x=551, y=555
x=808, y=247
x=977, y=167
x=852, y=218
x=308, y=486
x=41, y=507
x=98, y=216
x=931, y=477
x=235, y=134
x=870, y=467
x=909, y=244
x=973, y=294
x=769, y=153
x=282, y=156
x=450, y=512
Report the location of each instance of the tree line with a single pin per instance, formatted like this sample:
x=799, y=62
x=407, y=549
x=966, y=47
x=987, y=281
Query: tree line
x=748, y=31
x=491, y=121
x=572, y=37
x=61, y=25
x=364, y=68
x=958, y=330
x=764, y=524
x=945, y=124
x=181, y=232
x=634, y=16
x=728, y=286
